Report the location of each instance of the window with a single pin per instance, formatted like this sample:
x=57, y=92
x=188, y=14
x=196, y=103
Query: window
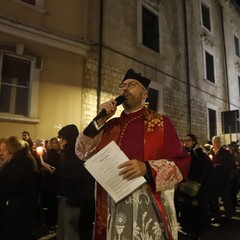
x=239, y=86
x=32, y=2
x=19, y=83
x=15, y=82
x=206, y=20
x=212, y=123
x=237, y=47
x=209, y=67
x=148, y=24
x=150, y=30
x=152, y=99
x=155, y=97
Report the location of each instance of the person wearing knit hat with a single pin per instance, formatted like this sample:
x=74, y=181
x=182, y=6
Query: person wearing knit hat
x=69, y=133
x=144, y=136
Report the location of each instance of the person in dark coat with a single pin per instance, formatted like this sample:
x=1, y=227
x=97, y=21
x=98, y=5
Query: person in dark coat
x=76, y=209
x=194, y=211
x=18, y=177
x=224, y=165
x=49, y=195
x=26, y=137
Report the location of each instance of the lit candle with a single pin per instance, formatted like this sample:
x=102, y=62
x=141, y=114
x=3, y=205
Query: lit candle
x=39, y=150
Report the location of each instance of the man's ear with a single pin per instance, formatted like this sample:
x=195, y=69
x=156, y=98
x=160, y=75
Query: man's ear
x=145, y=95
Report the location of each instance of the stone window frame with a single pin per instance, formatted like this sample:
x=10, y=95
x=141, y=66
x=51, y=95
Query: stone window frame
x=159, y=88
x=236, y=51
x=207, y=5
x=152, y=7
x=19, y=51
x=238, y=79
x=210, y=52
x=214, y=108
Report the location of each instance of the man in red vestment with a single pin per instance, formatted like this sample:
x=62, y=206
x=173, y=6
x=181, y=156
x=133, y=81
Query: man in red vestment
x=151, y=143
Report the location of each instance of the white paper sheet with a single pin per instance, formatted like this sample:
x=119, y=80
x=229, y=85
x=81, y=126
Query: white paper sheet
x=103, y=167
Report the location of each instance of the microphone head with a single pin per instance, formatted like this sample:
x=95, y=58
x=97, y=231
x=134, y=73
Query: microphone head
x=120, y=99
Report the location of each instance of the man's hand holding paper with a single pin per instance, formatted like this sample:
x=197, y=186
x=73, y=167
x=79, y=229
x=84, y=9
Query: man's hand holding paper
x=104, y=167
x=132, y=169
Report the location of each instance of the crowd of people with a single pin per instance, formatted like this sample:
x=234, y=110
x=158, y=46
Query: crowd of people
x=45, y=182
x=215, y=167
x=49, y=188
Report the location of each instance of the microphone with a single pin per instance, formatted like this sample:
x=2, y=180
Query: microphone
x=119, y=100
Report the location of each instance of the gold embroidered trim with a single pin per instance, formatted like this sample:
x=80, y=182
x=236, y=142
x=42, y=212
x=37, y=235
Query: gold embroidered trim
x=154, y=122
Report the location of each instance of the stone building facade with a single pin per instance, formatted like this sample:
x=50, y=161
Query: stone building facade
x=189, y=48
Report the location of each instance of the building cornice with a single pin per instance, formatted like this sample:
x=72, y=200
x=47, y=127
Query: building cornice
x=41, y=37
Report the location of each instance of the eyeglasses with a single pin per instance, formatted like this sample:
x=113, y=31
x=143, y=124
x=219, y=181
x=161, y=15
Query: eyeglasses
x=129, y=85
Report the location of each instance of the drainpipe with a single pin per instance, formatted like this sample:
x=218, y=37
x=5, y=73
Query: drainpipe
x=225, y=58
x=99, y=86
x=187, y=68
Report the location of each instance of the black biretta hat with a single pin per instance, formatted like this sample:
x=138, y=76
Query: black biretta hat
x=131, y=74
